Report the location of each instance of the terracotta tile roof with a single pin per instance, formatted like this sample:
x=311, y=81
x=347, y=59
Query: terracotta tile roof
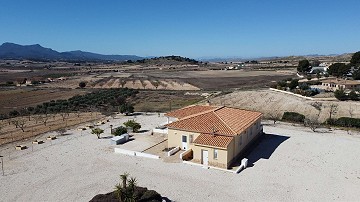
x=221, y=121
x=237, y=119
x=213, y=140
x=188, y=111
x=202, y=123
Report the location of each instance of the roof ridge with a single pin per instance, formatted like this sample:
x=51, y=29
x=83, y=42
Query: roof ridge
x=200, y=113
x=232, y=130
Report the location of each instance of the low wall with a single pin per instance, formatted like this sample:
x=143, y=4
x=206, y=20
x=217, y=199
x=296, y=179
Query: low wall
x=173, y=151
x=146, y=155
x=186, y=154
x=124, y=151
x=161, y=131
x=135, y=153
x=290, y=93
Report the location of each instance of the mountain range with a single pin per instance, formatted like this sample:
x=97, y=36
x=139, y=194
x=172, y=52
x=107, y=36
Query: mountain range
x=37, y=52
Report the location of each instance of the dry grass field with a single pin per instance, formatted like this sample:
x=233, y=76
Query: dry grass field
x=270, y=103
x=163, y=101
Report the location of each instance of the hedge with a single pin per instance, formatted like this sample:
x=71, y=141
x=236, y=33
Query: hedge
x=293, y=117
x=346, y=122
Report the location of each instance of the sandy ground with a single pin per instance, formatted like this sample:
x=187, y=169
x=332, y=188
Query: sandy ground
x=292, y=164
x=271, y=102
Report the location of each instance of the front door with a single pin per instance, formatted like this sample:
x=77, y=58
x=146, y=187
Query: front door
x=205, y=157
x=184, y=142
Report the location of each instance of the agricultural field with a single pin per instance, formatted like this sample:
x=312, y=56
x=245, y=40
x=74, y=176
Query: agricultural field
x=39, y=124
x=17, y=98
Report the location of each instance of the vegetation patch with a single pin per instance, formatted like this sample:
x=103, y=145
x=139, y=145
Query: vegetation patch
x=293, y=117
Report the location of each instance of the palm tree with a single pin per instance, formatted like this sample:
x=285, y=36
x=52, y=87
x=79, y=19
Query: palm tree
x=125, y=191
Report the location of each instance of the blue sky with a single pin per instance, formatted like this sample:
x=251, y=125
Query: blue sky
x=191, y=28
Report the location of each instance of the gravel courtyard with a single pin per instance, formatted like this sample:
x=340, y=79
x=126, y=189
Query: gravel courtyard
x=290, y=164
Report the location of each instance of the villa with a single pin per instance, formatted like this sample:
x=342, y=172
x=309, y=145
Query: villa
x=336, y=84
x=211, y=135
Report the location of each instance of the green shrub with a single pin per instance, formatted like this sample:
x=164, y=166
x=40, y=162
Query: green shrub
x=119, y=131
x=340, y=95
x=293, y=117
x=135, y=126
x=348, y=122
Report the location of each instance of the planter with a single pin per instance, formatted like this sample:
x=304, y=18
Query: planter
x=20, y=147
x=38, y=142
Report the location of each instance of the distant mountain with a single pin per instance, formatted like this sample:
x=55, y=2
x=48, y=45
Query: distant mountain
x=37, y=52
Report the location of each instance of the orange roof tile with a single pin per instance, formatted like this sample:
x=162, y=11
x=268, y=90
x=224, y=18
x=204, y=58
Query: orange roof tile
x=202, y=123
x=213, y=140
x=237, y=119
x=188, y=111
x=219, y=120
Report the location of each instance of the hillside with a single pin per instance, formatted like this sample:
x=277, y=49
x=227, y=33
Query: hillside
x=37, y=52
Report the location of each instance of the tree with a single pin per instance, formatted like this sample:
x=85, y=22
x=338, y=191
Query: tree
x=356, y=74
x=313, y=123
x=122, y=83
x=135, y=126
x=44, y=119
x=14, y=113
x=20, y=123
x=126, y=109
x=340, y=95
x=303, y=66
x=351, y=111
x=338, y=69
x=355, y=59
x=61, y=131
x=333, y=108
x=274, y=116
x=293, y=84
x=315, y=63
x=82, y=84
x=156, y=84
x=97, y=132
x=119, y=131
x=318, y=75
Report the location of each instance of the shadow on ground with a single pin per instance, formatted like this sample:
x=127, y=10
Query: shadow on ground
x=262, y=148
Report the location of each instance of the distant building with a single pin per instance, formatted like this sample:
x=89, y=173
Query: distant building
x=336, y=84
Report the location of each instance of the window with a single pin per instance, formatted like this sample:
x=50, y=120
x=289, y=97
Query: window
x=184, y=138
x=240, y=141
x=191, y=137
x=215, y=153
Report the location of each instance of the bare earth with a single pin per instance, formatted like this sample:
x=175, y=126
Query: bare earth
x=267, y=102
x=292, y=164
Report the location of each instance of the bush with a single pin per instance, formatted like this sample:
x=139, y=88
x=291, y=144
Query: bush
x=127, y=108
x=282, y=83
x=133, y=124
x=353, y=96
x=82, y=84
x=120, y=130
x=340, y=95
x=347, y=122
x=293, y=117
x=293, y=84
